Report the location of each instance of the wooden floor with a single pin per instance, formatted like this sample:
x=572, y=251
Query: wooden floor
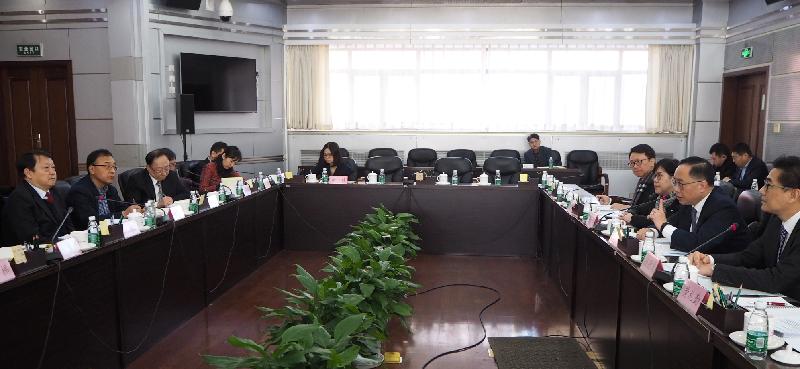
x=443, y=320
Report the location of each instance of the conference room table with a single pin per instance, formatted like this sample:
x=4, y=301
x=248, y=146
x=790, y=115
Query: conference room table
x=113, y=303
x=563, y=174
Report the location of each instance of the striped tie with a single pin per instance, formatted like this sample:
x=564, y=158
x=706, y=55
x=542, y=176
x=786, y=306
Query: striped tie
x=782, y=241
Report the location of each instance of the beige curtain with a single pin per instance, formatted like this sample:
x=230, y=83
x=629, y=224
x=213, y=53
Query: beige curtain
x=669, y=88
x=308, y=106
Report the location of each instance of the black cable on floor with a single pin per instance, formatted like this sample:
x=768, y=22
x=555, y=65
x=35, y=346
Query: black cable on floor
x=480, y=317
x=52, y=315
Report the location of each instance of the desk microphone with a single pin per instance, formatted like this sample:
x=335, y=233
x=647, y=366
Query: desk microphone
x=55, y=234
x=120, y=201
x=730, y=229
x=667, y=202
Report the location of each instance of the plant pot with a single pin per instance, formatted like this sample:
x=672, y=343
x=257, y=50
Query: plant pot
x=366, y=363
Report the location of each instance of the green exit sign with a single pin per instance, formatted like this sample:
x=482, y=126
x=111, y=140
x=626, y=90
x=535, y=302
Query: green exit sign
x=747, y=52
x=29, y=50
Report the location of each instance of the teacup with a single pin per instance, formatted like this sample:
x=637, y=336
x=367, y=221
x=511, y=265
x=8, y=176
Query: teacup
x=441, y=178
x=311, y=177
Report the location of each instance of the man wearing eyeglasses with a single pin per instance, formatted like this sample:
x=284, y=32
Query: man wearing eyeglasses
x=706, y=212
x=641, y=160
x=157, y=182
x=749, y=168
x=772, y=262
x=94, y=194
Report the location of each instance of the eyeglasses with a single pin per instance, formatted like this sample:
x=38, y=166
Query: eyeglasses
x=635, y=163
x=681, y=185
x=162, y=169
x=768, y=184
x=659, y=176
x=107, y=166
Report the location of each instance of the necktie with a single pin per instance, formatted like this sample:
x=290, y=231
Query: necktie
x=102, y=206
x=782, y=241
x=694, y=220
x=741, y=173
x=159, y=193
x=49, y=198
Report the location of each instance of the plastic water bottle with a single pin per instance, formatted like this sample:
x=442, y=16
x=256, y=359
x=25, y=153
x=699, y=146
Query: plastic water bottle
x=754, y=186
x=649, y=244
x=680, y=276
x=757, y=332
x=260, y=184
x=221, y=193
x=498, y=180
x=93, y=231
x=550, y=162
x=239, y=189
x=278, y=176
x=194, y=205
x=150, y=214
x=454, y=178
x=382, y=177
x=325, y=175
x=717, y=179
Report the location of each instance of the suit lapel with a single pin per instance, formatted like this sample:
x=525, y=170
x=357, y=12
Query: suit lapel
x=40, y=203
x=148, y=186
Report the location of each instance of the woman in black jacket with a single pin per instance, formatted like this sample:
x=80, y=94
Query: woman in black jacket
x=331, y=159
x=662, y=182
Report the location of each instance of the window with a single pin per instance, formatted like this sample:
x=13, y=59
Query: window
x=488, y=89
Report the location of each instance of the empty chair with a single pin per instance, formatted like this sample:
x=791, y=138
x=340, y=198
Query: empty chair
x=421, y=157
x=592, y=178
x=184, y=169
x=728, y=189
x=464, y=153
x=506, y=152
x=462, y=165
x=344, y=153
x=392, y=167
x=749, y=205
x=73, y=180
x=382, y=151
x=123, y=181
x=62, y=188
x=509, y=169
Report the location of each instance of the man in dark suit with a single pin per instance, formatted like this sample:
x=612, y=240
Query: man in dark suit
x=706, y=212
x=642, y=161
x=216, y=150
x=33, y=212
x=749, y=168
x=156, y=183
x=94, y=194
x=772, y=262
x=721, y=160
x=539, y=155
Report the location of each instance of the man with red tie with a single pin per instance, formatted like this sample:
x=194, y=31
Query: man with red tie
x=33, y=211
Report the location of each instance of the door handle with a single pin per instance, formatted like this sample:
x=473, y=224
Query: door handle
x=37, y=140
x=763, y=102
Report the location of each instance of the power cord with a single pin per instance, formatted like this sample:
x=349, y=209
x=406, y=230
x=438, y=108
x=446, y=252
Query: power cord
x=230, y=252
x=52, y=315
x=649, y=328
x=272, y=228
x=480, y=317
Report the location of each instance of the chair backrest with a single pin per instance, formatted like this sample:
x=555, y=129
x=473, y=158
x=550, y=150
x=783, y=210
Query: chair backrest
x=382, y=151
x=464, y=153
x=448, y=165
x=749, y=205
x=728, y=189
x=421, y=157
x=508, y=167
x=62, y=188
x=184, y=169
x=392, y=167
x=123, y=180
x=351, y=164
x=344, y=153
x=588, y=163
x=74, y=179
x=506, y=152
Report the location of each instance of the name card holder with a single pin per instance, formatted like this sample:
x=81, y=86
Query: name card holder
x=650, y=265
x=246, y=190
x=130, y=229
x=6, y=273
x=727, y=320
x=337, y=180
x=176, y=213
x=628, y=246
x=69, y=248
x=691, y=296
x=35, y=259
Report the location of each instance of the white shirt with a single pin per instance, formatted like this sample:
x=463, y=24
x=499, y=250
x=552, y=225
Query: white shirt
x=155, y=187
x=42, y=193
x=669, y=229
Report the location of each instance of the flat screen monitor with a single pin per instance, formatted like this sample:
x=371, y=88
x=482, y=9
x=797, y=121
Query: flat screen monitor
x=219, y=83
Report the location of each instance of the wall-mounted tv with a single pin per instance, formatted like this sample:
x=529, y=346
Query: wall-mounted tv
x=219, y=83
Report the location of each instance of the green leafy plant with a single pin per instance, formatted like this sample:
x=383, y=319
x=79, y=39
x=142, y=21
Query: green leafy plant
x=367, y=279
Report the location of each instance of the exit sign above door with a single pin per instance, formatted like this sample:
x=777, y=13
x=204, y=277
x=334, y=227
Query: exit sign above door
x=747, y=52
x=34, y=50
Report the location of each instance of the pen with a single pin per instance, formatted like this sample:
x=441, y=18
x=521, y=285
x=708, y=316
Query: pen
x=773, y=303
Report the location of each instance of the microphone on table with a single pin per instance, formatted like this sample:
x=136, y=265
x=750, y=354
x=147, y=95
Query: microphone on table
x=667, y=202
x=55, y=234
x=731, y=229
x=120, y=201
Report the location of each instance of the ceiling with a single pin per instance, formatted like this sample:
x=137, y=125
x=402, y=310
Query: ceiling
x=474, y=2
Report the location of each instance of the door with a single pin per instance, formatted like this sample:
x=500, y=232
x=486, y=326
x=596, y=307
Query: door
x=744, y=106
x=37, y=113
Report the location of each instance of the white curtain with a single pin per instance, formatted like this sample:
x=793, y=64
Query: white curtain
x=669, y=88
x=308, y=106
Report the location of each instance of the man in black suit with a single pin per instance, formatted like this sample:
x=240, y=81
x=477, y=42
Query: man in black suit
x=33, y=212
x=749, y=168
x=642, y=161
x=721, y=160
x=156, y=183
x=216, y=150
x=539, y=155
x=772, y=262
x=706, y=212
x=94, y=194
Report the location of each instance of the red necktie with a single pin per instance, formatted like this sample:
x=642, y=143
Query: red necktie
x=49, y=197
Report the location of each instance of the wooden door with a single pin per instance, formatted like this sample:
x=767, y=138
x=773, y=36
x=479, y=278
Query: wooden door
x=744, y=103
x=37, y=113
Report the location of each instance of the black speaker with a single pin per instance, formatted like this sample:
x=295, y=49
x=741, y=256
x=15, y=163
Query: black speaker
x=183, y=4
x=185, y=114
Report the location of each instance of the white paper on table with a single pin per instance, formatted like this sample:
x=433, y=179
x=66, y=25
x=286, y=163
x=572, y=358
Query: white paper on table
x=746, y=292
x=213, y=199
x=672, y=252
x=749, y=303
x=69, y=248
x=130, y=228
x=177, y=212
x=246, y=190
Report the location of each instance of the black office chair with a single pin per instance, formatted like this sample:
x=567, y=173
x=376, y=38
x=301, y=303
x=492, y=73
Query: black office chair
x=62, y=188
x=382, y=151
x=592, y=178
x=351, y=164
x=464, y=153
x=420, y=157
x=507, y=153
x=729, y=190
x=184, y=169
x=74, y=179
x=448, y=165
x=392, y=167
x=509, y=169
x=123, y=181
x=344, y=153
x=749, y=205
